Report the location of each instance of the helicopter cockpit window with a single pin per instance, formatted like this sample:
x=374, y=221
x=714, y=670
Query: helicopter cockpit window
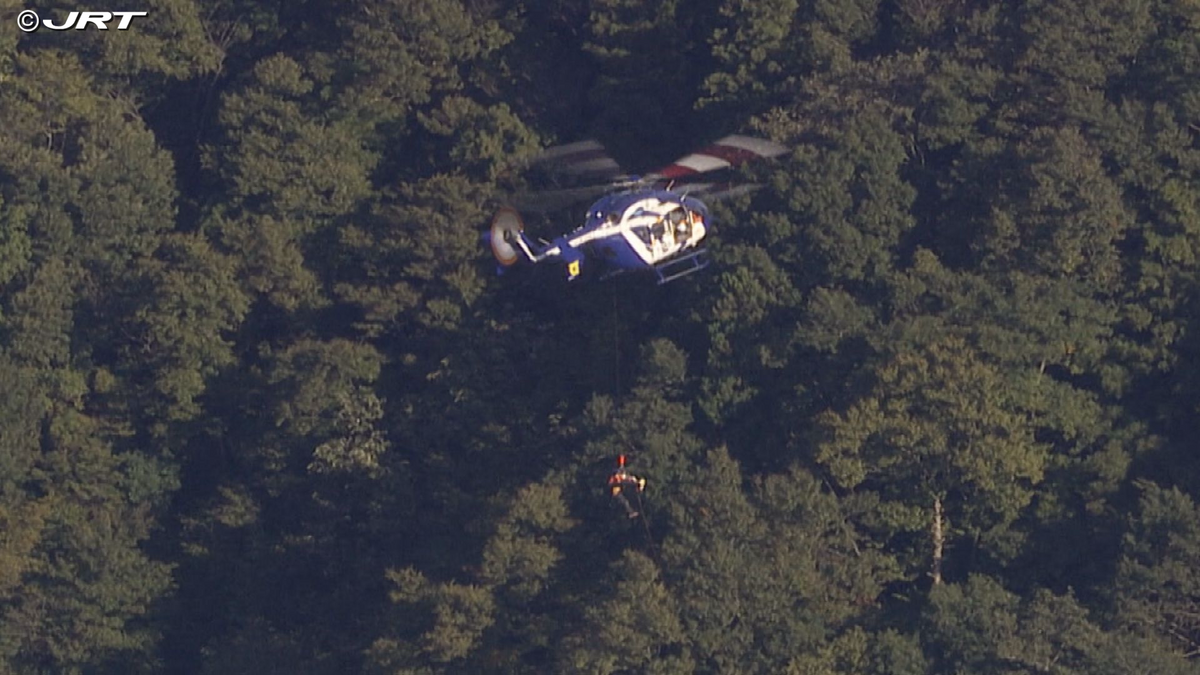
x=643, y=233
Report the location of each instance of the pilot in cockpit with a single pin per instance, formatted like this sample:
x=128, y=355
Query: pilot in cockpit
x=680, y=225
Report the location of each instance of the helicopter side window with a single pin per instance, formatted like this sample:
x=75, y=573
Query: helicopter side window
x=643, y=233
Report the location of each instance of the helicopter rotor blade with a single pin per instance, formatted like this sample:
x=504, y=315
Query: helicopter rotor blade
x=583, y=160
x=727, y=152
x=551, y=200
x=715, y=192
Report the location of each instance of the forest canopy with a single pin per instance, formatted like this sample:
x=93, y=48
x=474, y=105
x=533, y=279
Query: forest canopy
x=266, y=407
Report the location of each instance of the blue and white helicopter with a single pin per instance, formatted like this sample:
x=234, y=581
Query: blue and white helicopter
x=642, y=224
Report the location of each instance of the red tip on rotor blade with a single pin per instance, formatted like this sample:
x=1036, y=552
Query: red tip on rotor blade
x=734, y=155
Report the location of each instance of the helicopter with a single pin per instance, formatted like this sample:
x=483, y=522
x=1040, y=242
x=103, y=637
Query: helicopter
x=654, y=223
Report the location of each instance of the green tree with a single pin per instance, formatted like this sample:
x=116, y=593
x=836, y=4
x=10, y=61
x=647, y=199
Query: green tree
x=180, y=336
x=859, y=651
x=289, y=173
x=641, y=50
x=941, y=436
x=86, y=186
x=457, y=625
x=1156, y=590
x=400, y=56
x=979, y=627
x=636, y=627
x=760, y=576
x=85, y=586
x=652, y=423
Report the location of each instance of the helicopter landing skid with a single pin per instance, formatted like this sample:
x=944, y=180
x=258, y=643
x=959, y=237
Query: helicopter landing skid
x=682, y=266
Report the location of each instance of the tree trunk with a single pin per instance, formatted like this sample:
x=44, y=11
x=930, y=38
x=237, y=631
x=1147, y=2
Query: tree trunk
x=938, y=542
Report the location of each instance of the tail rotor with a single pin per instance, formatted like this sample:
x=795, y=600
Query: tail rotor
x=505, y=236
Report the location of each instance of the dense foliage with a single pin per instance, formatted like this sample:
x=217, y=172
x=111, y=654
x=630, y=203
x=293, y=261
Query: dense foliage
x=265, y=408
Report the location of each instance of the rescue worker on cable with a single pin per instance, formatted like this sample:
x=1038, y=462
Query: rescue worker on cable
x=620, y=481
